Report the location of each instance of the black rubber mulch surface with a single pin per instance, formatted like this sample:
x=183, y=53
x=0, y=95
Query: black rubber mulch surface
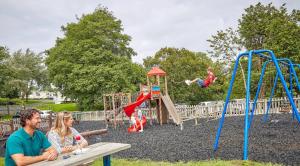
x=277, y=141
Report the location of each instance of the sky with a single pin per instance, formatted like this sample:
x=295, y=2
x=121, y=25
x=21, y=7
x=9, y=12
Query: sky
x=152, y=24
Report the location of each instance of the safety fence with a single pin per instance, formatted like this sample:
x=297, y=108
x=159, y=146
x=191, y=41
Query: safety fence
x=212, y=110
x=234, y=108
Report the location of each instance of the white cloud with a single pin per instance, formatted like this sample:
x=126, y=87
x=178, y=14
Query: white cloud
x=151, y=24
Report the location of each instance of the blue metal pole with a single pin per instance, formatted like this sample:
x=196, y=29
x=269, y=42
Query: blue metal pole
x=227, y=100
x=289, y=63
x=291, y=79
x=291, y=85
x=293, y=71
x=106, y=160
x=284, y=85
x=270, y=99
x=257, y=91
x=247, y=106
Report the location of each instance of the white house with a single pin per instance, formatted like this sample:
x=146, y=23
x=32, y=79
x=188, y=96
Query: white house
x=57, y=97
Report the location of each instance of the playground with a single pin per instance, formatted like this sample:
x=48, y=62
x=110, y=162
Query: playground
x=246, y=136
x=181, y=133
x=174, y=81
x=275, y=141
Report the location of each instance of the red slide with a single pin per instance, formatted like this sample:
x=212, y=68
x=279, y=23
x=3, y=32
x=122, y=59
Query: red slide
x=137, y=126
x=129, y=109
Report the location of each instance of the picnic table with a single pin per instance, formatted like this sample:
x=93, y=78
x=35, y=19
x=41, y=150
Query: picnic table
x=103, y=149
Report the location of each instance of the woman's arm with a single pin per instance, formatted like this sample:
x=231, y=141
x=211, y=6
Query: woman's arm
x=54, y=139
x=83, y=142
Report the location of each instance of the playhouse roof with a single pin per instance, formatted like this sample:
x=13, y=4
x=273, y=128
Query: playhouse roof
x=156, y=71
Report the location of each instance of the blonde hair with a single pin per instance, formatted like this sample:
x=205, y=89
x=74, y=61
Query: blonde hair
x=59, y=125
x=209, y=69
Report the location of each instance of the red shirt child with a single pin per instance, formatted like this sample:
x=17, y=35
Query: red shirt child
x=209, y=79
x=204, y=83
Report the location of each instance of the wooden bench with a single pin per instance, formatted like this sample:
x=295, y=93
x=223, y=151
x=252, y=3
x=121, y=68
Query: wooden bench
x=103, y=149
x=93, y=132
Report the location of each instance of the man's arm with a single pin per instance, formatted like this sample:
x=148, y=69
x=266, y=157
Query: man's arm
x=20, y=159
x=52, y=151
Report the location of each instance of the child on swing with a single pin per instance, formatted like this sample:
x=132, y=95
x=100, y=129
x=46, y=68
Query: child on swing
x=204, y=83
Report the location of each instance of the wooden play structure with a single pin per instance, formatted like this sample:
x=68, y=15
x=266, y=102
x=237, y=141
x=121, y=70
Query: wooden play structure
x=159, y=93
x=115, y=105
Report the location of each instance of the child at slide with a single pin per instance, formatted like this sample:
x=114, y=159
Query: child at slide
x=132, y=121
x=204, y=83
x=140, y=116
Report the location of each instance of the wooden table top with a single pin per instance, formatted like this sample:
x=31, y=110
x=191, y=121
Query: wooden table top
x=93, y=152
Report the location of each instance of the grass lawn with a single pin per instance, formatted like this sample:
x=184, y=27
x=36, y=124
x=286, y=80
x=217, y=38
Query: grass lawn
x=59, y=107
x=21, y=102
x=131, y=162
x=6, y=117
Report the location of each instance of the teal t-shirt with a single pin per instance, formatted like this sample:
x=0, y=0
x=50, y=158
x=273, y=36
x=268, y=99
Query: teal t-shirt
x=21, y=142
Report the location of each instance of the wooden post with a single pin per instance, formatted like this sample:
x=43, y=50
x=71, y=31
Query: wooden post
x=166, y=86
x=50, y=120
x=157, y=80
x=150, y=112
x=11, y=125
x=160, y=111
x=148, y=81
x=123, y=96
x=129, y=98
x=104, y=105
x=114, y=109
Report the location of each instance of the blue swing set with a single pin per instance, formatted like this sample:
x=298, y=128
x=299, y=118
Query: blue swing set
x=270, y=57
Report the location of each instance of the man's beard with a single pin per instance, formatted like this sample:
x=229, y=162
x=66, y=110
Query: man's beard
x=36, y=126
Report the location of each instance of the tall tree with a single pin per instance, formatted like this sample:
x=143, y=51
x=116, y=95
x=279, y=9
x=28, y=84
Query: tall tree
x=182, y=64
x=27, y=70
x=93, y=58
x=268, y=27
x=4, y=77
x=260, y=27
x=265, y=26
x=225, y=47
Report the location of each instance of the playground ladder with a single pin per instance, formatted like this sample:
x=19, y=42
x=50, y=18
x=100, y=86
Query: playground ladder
x=171, y=109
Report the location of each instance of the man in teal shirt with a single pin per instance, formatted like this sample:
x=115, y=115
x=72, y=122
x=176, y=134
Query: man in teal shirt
x=28, y=145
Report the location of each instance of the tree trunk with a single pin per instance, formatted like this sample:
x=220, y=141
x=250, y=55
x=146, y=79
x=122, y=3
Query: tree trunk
x=262, y=90
x=26, y=97
x=244, y=78
x=7, y=106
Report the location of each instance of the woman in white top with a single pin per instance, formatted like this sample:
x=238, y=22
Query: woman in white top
x=62, y=134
